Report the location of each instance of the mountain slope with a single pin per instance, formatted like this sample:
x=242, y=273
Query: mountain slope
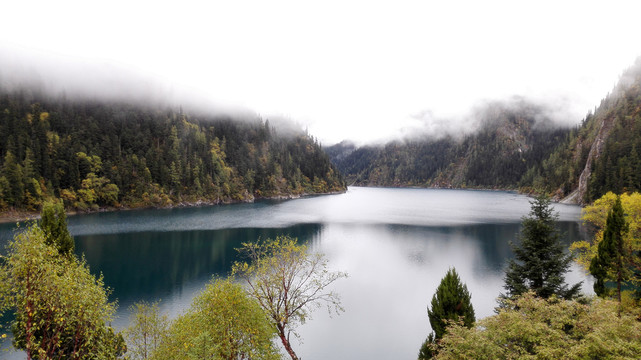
x=517, y=146
x=94, y=154
x=602, y=154
x=512, y=136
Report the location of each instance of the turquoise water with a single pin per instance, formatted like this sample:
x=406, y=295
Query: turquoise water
x=395, y=244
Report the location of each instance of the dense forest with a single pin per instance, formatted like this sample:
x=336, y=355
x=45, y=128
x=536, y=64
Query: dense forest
x=601, y=154
x=512, y=136
x=95, y=153
x=517, y=146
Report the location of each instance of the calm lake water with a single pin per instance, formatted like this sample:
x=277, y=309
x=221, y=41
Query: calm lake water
x=395, y=244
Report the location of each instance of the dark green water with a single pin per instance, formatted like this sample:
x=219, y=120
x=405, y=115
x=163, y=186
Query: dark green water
x=396, y=244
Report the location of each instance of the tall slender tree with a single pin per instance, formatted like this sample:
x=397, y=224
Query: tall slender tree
x=451, y=302
x=13, y=172
x=610, y=262
x=53, y=223
x=540, y=261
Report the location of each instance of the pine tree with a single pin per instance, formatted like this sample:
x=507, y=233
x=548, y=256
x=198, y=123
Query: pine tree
x=53, y=223
x=13, y=172
x=540, y=261
x=610, y=262
x=451, y=302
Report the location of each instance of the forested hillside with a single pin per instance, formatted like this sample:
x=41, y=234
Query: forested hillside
x=93, y=154
x=512, y=137
x=602, y=154
x=517, y=147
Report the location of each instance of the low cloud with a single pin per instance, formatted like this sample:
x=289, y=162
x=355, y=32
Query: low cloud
x=53, y=75
x=546, y=113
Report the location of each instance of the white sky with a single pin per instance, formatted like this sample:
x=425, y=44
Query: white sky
x=360, y=70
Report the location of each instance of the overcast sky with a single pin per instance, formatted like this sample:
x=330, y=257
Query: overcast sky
x=360, y=70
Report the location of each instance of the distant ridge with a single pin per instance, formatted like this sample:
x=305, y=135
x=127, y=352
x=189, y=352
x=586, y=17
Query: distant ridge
x=518, y=147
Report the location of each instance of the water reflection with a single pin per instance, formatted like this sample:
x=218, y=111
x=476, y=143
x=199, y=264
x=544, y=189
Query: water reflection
x=393, y=272
x=152, y=265
x=395, y=244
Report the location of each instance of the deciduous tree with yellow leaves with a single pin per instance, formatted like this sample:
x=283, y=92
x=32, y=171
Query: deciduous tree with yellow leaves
x=61, y=310
x=288, y=283
x=597, y=215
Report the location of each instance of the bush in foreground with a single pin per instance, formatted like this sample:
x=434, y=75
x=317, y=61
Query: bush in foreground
x=532, y=327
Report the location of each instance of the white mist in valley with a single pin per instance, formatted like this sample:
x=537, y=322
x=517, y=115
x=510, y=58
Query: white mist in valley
x=360, y=70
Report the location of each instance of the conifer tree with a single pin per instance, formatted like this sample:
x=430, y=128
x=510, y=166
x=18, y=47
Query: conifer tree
x=53, y=223
x=451, y=302
x=14, y=175
x=610, y=262
x=540, y=261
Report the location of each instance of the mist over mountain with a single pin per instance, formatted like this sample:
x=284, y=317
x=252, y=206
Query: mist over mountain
x=516, y=144
x=46, y=75
x=600, y=155
x=502, y=140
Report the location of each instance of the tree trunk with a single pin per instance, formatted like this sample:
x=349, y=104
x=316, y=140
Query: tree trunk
x=285, y=341
x=619, y=281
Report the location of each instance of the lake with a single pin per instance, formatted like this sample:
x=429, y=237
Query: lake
x=395, y=244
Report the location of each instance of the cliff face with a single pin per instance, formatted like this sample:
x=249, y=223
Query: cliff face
x=512, y=148
x=595, y=152
x=604, y=149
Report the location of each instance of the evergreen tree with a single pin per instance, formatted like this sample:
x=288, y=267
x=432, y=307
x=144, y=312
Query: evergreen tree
x=540, y=261
x=610, y=262
x=53, y=223
x=118, y=154
x=451, y=302
x=14, y=175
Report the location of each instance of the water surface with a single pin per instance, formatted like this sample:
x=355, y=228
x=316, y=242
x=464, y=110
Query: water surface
x=395, y=244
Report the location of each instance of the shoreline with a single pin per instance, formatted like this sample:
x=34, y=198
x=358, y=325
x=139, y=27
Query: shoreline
x=21, y=216
x=16, y=216
x=568, y=200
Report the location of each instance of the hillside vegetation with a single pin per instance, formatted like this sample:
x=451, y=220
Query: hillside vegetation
x=517, y=146
x=94, y=154
x=601, y=155
x=512, y=136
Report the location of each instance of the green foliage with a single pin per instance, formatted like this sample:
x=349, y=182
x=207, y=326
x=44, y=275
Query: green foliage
x=14, y=192
x=540, y=261
x=115, y=154
x=4, y=192
x=618, y=169
x=595, y=216
x=53, y=222
x=222, y=323
x=61, y=310
x=602, y=260
x=616, y=123
x=531, y=327
x=451, y=302
x=428, y=348
x=146, y=330
x=612, y=259
x=287, y=282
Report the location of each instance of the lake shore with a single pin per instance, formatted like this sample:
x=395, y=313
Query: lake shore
x=14, y=216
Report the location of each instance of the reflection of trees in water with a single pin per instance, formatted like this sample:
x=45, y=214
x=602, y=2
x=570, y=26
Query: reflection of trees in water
x=492, y=240
x=152, y=264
